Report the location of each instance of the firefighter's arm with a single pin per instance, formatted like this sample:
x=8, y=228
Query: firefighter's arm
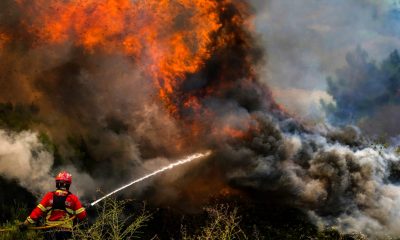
x=80, y=211
x=40, y=209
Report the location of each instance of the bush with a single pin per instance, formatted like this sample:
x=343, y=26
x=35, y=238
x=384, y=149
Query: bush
x=223, y=224
x=112, y=223
x=18, y=212
x=14, y=232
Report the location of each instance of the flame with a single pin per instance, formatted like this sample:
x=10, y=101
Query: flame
x=169, y=41
x=234, y=133
x=169, y=38
x=4, y=39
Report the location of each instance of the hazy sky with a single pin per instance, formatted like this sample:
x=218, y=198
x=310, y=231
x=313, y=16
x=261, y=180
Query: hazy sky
x=307, y=40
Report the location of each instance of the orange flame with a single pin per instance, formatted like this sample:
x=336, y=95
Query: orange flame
x=234, y=133
x=169, y=38
x=4, y=39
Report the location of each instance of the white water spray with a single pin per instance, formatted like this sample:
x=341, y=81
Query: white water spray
x=172, y=165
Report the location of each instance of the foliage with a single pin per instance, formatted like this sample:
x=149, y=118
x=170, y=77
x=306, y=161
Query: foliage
x=223, y=224
x=19, y=213
x=362, y=86
x=334, y=234
x=17, y=117
x=16, y=234
x=15, y=207
x=112, y=223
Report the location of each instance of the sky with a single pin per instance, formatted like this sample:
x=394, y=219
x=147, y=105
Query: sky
x=307, y=41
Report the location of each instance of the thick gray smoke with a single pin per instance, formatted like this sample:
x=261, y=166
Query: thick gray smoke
x=334, y=177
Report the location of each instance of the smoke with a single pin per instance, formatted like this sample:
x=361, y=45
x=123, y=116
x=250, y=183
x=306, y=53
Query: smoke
x=334, y=176
x=309, y=40
x=366, y=93
x=307, y=102
x=120, y=91
x=344, y=186
x=24, y=158
x=95, y=106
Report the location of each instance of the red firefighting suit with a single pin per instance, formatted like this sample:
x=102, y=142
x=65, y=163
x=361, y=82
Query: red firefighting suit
x=59, y=206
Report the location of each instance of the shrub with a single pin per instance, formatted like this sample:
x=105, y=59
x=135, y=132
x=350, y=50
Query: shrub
x=223, y=224
x=14, y=232
x=112, y=223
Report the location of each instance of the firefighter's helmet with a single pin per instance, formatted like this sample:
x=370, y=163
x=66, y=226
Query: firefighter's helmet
x=64, y=176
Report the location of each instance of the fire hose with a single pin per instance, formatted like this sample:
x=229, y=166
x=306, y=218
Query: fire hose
x=172, y=165
x=40, y=228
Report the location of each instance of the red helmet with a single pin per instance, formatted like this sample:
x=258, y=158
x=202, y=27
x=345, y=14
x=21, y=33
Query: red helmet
x=64, y=176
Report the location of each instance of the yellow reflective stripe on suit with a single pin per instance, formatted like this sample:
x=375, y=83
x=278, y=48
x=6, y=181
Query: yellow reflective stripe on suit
x=30, y=220
x=80, y=210
x=41, y=207
x=70, y=211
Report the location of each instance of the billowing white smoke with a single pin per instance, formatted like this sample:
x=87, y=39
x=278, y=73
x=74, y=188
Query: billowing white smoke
x=24, y=158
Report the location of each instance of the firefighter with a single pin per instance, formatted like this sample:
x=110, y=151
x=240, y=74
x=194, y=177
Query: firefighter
x=59, y=207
